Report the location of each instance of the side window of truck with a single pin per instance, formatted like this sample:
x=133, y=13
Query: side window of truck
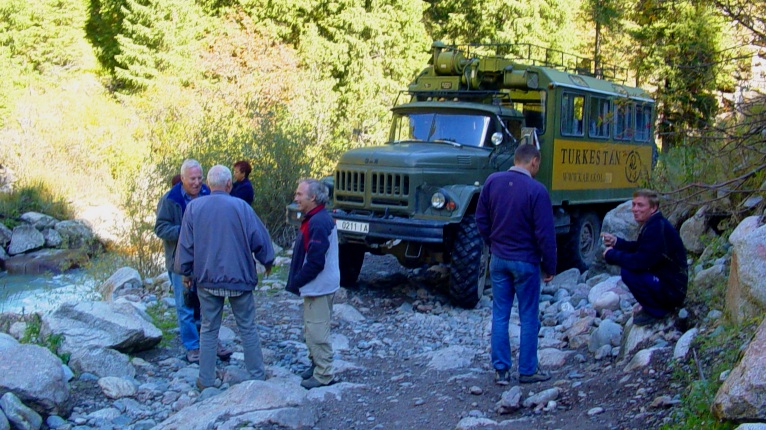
x=600, y=117
x=572, y=114
x=643, y=123
x=623, y=120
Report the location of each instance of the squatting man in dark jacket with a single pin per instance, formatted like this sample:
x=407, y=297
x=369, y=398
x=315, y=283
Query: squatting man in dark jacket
x=515, y=218
x=654, y=266
x=315, y=276
x=219, y=237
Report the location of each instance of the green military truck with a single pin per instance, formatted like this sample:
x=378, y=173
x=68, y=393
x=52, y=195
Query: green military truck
x=462, y=118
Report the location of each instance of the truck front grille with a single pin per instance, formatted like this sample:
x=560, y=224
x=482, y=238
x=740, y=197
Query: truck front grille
x=374, y=188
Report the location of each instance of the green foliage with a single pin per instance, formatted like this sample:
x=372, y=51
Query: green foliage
x=719, y=350
x=36, y=196
x=53, y=341
x=165, y=320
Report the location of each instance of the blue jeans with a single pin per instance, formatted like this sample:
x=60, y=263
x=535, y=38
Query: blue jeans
x=243, y=308
x=186, y=322
x=521, y=279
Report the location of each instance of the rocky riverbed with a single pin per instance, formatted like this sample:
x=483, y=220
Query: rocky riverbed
x=405, y=358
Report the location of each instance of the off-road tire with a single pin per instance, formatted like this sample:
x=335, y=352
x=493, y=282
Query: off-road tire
x=350, y=260
x=579, y=247
x=470, y=261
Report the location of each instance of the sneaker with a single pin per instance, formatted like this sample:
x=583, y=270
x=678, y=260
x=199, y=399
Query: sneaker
x=502, y=377
x=223, y=352
x=313, y=383
x=192, y=355
x=539, y=376
x=308, y=373
x=644, y=318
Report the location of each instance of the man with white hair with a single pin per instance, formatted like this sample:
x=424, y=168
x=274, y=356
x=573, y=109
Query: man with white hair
x=220, y=235
x=170, y=211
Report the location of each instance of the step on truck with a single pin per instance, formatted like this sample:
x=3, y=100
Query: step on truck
x=460, y=120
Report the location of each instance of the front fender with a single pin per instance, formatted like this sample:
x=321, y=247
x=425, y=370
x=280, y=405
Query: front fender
x=463, y=196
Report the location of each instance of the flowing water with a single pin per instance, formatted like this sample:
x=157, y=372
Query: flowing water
x=39, y=293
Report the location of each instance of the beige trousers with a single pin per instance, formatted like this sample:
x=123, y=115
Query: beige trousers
x=317, y=314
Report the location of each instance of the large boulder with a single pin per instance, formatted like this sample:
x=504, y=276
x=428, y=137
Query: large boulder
x=124, y=279
x=5, y=235
x=25, y=238
x=619, y=222
x=46, y=261
x=76, y=234
x=742, y=397
x=695, y=232
x=38, y=220
x=34, y=375
x=746, y=292
x=252, y=403
x=102, y=362
x=119, y=326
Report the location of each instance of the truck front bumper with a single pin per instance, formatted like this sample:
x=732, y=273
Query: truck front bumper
x=376, y=229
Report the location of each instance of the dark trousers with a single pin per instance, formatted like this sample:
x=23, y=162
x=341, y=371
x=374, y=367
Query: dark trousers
x=656, y=299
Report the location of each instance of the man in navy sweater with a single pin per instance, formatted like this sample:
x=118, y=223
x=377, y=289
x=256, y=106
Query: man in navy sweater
x=654, y=266
x=515, y=219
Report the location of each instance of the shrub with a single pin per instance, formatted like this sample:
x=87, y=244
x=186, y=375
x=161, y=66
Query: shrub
x=35, y=196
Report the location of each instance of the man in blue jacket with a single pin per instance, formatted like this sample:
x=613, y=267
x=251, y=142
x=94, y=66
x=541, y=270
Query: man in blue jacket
x=654, y=266
x=515, y=219
x=315, y=276
x=219, y=238
x=170, y=211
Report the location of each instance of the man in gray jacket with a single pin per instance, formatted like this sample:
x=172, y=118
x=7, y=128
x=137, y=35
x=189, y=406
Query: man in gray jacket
x=219, y=237
x=170, y=211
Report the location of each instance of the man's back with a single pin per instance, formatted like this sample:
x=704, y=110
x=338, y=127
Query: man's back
x=226, y=235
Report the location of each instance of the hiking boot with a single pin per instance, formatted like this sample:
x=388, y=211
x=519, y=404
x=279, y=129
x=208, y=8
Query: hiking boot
x=644, y=318
x=201, y=386
x=502, y=377
x=223, y=352
x=313, y=383
x=308, y=373
x=192, y=355
x=539, y=376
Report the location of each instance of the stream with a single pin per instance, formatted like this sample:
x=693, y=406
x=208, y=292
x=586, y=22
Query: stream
x=40, y=293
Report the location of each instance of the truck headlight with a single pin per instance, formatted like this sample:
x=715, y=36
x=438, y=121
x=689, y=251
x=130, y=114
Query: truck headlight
x=438, y=200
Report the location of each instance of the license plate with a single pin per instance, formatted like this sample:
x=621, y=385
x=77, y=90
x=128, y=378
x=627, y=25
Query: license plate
x=353, y=226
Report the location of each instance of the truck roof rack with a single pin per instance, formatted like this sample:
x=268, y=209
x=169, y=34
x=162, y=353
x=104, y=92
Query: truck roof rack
x=535, y=55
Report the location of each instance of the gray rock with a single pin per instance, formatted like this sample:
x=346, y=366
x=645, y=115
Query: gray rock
x=19, y=415
x=619, y=222
x=452, y=357
x=4, y=424
x=746, y=293
x=5, y=235
x=684, y=343
x=25, y=238
x=751, y=426
x=510, y=401
x=696, y=231
x=76, y=234
x=55, y=421
x=33, y=374
x=107, y=325
x=276, y=401
x=609, y=301
x=566, y=280
x=608, y=333
x=740, y=397
x=52, y=238
x=603, y=352
x=125, y=278
x=102, y=362
x=17, y=329
x=117, y=388
x=640, y=360
x=347, y=313
x=635, y=336
x=469, y=423
x=708, y=278
x=613, y=284
x=552, y=357
x=542, y=398
x=45, y=261
x=38, y=220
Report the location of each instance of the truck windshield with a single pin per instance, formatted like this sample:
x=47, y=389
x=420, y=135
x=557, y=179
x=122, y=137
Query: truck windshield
x=463, y=129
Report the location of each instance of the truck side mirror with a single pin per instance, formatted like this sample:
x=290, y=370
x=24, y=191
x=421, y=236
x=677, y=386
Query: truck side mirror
x=497, y=138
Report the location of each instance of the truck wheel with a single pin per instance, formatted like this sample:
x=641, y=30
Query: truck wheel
x=350, y=259
x=470, y=259
x=581, y=243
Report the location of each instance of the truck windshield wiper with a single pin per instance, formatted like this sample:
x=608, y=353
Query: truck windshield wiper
x=450, y=142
